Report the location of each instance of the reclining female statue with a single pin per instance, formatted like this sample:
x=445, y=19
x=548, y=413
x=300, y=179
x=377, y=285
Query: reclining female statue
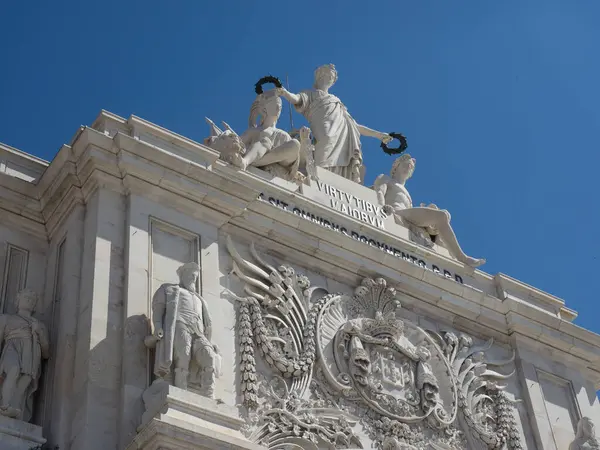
x=394, y=197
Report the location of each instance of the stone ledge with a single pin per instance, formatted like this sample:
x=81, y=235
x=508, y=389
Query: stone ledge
x=175, y=434
x=19, y=435
x=166, y=401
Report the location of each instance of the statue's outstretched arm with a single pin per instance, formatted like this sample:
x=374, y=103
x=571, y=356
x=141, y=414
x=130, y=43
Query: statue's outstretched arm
x=366, y=131
x=294, y=99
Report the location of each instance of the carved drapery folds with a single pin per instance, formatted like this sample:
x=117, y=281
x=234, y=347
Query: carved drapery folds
x=344, y=366
x=23, y=345
x=586, y=436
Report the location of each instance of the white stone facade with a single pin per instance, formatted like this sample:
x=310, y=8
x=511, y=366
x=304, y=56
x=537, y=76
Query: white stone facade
x=98, y=230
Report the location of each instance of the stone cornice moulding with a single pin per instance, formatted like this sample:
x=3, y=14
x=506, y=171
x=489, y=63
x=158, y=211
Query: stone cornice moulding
x=24, y=155
x=19, y=186
x=17, y=200
x=33, y=228
x=251, y=180
x=506, y=285
x=139, y=125
x=588, y=372
x=229, y=197
x=109, y=123
x=448, y=301
x=52, y=172
x=169, y=432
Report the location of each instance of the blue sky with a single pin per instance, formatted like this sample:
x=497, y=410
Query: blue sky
x=499, y=100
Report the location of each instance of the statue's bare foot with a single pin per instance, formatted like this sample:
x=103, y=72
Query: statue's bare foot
x=238, y=161
x=474, y=262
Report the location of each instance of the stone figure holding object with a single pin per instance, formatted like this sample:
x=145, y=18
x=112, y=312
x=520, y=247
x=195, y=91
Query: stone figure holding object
x=586, y=436
x=182, y=333
x=262, y=145
x=24, y=343
x=336, y=133
x=427, y=383
x=393, y=195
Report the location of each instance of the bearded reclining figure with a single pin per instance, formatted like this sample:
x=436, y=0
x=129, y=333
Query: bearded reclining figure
x=263, y=145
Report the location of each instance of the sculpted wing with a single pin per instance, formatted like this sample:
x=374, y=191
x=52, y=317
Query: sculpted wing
x=279, y=298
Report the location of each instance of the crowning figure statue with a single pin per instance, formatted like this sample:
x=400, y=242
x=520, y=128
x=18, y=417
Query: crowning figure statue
x=393, y=195
x=24, y=342
x=182, y=333
x=263, y=145
x=336, y=133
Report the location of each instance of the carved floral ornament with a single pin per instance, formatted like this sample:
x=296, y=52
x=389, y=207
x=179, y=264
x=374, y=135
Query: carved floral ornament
x=342, y=367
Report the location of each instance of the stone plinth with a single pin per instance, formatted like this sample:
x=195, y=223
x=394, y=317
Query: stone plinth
x=19, y=435
x=176, y=419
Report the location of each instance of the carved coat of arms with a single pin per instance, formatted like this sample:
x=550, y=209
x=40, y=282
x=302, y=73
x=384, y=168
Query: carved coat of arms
x=341, y=363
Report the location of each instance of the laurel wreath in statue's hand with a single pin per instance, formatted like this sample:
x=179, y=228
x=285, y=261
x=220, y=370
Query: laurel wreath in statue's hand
x=258, y=87
x=395, y=151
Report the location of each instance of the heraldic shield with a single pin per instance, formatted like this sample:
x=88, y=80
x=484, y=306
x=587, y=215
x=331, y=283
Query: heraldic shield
x=392, y=365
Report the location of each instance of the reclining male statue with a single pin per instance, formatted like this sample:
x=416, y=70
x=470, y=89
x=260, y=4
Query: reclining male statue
x=394, y=197
x=263, y=145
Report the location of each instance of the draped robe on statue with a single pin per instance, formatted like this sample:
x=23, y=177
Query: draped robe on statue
x=337, y=137
x=22, y=349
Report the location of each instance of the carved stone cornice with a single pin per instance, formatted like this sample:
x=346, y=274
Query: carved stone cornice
x=179, y=416
x=136, y=156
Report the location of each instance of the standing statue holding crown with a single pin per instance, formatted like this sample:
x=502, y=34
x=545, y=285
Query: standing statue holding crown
x=182, y=333
x=336, y=133
x=23, y=343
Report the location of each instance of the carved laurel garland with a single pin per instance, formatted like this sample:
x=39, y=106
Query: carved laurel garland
x=408, y=388
x=480, y=397
x=258, y=335
x=248, y=363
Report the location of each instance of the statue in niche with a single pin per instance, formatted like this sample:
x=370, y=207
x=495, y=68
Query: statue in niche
x=23, y=342
x=337, y=134
x=263, y=145
x=394, y=197
x=182, y=334
x=586, y=436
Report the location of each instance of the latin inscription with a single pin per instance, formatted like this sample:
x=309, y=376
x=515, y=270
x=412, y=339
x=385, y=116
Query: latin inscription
x=361, y=237
x=353, y=206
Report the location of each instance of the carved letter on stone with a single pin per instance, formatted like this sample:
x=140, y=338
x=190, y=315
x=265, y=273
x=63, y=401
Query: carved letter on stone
x=182, y=334
x=24, y=342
